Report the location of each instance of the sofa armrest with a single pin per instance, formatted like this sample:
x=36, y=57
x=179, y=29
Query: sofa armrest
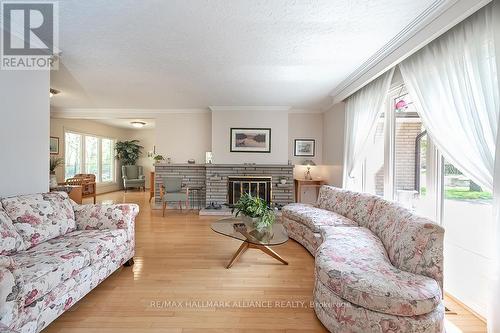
x=119, y=216
x=9, y=302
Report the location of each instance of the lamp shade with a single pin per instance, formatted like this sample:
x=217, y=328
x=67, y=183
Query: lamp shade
x=308, y=163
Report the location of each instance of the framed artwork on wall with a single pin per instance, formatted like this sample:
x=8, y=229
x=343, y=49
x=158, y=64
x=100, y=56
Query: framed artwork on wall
x=250, y=140
x=304, y=147
x=54, y=145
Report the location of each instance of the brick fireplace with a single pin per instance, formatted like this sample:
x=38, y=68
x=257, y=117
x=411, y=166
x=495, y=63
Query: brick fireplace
x=214, y=179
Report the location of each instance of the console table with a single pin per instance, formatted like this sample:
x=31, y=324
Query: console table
x=301, y=184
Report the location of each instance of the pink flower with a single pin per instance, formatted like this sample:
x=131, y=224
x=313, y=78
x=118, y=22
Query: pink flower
x=389, y=326
x=31, y=297
x=30, y=219
x=68, y=303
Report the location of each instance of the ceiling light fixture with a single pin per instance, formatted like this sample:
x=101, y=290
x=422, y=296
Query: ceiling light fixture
x=138, y=124
x=53, y=92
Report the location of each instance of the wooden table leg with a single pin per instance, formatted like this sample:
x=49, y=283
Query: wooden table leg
x=270, y=252
x=244, y=246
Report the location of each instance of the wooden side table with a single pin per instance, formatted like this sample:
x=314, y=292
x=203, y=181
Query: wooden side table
x=301, y=184
x=151, y=185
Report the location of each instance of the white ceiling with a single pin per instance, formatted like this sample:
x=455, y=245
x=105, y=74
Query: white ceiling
x=179, y=54
x=126, y=123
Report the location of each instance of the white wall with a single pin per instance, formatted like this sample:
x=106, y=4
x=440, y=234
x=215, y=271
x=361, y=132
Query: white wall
x=59, y=125
x=222, y=121
x=184, y=136
x=306, y=126
x=333, y=143
x=24, y=132
x=147, y=139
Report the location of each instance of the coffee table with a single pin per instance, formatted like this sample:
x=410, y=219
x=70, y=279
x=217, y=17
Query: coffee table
x=252, y=238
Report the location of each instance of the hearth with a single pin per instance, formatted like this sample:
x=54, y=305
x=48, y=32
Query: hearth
x=257, y=186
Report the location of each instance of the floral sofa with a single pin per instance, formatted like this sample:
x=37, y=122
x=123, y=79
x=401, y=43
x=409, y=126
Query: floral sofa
x=53, y=252
x=378, y=267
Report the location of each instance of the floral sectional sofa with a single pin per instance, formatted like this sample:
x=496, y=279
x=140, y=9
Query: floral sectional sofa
x=53, y=252
x=378, y=267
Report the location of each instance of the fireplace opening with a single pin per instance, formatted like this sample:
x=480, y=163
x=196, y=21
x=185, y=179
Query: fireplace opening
x=256, y=186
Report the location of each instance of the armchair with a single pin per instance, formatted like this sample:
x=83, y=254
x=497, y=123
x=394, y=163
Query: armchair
x=87, y=182
x=172, y=191
x=133, y=176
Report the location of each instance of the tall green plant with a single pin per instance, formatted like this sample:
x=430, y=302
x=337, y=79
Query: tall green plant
x=128, y=151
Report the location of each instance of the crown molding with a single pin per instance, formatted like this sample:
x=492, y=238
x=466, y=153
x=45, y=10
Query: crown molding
x=305, y=111
x=438, y=18
x=249, y=108
x=95, y=113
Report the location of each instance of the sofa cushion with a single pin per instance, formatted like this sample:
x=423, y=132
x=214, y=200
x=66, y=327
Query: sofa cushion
x=313, y=217
x=353, y=205
x=43, y=267
x=353, y=264
x=413, y=243
x=38, y=272
x=97, y=243
x=40, y=217
x=329, y=196
x=10, y=240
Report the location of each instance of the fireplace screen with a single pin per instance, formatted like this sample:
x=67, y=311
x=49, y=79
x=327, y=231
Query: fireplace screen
x=255, y=186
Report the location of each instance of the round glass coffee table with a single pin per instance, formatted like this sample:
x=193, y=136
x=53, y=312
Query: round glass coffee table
x=252, y=238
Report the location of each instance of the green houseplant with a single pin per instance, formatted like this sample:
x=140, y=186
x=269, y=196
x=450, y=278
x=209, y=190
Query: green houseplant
x=255, y=209
x=128, y=151
x=54, y=163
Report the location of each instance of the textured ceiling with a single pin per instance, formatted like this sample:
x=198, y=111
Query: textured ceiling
x=153, y=54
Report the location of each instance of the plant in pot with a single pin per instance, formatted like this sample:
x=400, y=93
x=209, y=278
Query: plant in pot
x=256, y=210
x=128, y=151
x=54, y=163
x=158, y=158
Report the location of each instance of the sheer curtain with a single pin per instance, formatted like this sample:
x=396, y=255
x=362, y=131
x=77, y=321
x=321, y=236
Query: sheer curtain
x=362, y=111
x=454, y=83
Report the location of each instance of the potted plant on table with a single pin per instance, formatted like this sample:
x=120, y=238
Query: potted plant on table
x=54, y=163
x=255, y=210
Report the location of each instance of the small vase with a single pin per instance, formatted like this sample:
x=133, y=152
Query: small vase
x=53, y=181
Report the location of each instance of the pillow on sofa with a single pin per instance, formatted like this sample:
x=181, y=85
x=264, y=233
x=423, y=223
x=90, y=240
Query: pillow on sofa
x=10, y=240
x=40, y=217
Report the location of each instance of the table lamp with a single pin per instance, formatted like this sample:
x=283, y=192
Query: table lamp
x=309, y=164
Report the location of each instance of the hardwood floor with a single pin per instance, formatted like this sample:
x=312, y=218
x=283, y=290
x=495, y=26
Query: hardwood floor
x=179, y=275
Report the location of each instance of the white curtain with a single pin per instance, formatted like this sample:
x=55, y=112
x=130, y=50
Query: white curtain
x=363, y=109
x=454, y=83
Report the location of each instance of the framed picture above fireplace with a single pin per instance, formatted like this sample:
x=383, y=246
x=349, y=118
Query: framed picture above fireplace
x=250, y=140
x=304, y=147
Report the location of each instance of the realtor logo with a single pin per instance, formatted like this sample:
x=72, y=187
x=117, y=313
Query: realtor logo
x=29, y=35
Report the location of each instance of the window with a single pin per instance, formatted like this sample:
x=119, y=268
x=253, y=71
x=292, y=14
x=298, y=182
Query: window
x=403, y=164
x=96, y=153
x=374, y=167
x=467, y=216
x=91, y=155
x=73, y=154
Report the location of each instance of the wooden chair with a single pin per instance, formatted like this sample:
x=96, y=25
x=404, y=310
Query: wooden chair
x=87, y=182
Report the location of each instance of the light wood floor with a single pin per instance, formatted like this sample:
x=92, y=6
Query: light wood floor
x=179, y=270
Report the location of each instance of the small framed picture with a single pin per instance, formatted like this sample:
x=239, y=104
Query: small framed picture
x=304, y=147
x=54, y=145
x=250, y=140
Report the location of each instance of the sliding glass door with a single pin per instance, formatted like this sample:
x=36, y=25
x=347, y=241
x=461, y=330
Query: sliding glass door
x=404, y=165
